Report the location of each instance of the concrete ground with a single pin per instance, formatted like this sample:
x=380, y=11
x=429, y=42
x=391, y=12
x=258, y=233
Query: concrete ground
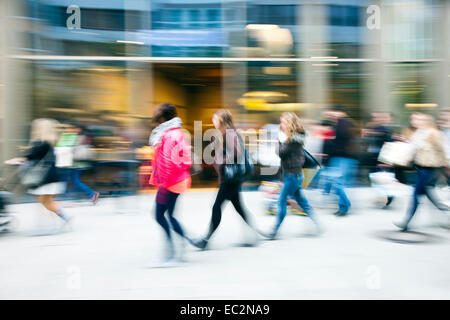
x=107, y=256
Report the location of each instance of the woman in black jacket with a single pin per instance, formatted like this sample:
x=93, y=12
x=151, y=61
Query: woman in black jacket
x=44, y=136
x=229, y=149
x=292, y=157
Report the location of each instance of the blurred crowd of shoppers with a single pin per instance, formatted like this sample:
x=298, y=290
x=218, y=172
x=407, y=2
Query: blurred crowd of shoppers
x=233, y=166
x=386, y=150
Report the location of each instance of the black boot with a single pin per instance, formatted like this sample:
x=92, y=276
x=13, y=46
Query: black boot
x=389, y=201
x=201, y=244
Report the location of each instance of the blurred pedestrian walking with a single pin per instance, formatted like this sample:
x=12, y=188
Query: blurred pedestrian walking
x=378, y=132
x=75, y=141
x=375, y=134
x=429, y=156
x=39, y=172
x=170, y=174
x=290, y=150
x=230, y=155
x=342, y=155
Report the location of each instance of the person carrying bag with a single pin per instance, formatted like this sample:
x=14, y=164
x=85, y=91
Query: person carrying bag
x=232, y=164
x=292, y=155
x=32, y=173
x=429, y=155
x=73, y=155
x=38, y=171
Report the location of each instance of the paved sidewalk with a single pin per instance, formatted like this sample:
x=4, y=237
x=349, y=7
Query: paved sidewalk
x=107, y=254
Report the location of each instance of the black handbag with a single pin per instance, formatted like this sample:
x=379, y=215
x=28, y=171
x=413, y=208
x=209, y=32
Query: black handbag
x=310, y=161
x=32, y=174
x=238, y=172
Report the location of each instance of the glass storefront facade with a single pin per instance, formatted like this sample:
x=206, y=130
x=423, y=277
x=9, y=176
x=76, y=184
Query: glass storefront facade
x=108, y=63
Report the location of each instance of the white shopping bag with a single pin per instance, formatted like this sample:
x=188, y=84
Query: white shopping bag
x=385, y=183
x=64, y=157
x=397, y=153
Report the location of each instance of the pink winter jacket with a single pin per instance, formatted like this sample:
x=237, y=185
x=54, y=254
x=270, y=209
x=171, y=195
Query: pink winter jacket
x=172, y=159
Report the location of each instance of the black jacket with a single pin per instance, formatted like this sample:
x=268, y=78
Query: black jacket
x=37, y=152
x=344, y=144
x=291, y=154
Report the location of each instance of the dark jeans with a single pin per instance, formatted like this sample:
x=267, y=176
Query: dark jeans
x=227, y=191
x=423, y=187
x=2, y=203
x=165, y=201
x=400, y=174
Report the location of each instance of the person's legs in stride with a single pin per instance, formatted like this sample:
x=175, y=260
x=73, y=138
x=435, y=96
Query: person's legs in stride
x=161, y=208
x=47, y=201
x=162, y=221
x=422, y=177
x=176, y=226
x=216, y=216
x=343, y=176
x=326, y=186
x=411, y=211
x=282, y=203
x=344, y=202
x=236, y=200
x=2, y=204
x=333, y=176
x=430, y=190
x=325, y=181
x=75, y=177
x=172, y=198
x=299, y=196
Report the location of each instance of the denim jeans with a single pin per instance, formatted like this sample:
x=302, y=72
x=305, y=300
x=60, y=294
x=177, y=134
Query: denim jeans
x=423, y=187
x=74, y=175
x=293, y=187
x=341, y=175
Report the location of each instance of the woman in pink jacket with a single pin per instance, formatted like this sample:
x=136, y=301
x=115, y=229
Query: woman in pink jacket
x=170, y=170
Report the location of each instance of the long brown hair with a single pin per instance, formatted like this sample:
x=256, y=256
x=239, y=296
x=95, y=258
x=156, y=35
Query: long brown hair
x=225, y=117
x=294, y=124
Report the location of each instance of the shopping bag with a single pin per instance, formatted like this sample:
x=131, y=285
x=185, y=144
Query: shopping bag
x=397, y=153
x=64, y=157
x=308, y=176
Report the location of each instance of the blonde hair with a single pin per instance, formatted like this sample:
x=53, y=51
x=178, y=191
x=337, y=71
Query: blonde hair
x=225, y=117
x=293, y=124
x=45, y=130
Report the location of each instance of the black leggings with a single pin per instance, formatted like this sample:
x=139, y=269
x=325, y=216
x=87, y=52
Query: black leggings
x=227, y=191
x=165, y=201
